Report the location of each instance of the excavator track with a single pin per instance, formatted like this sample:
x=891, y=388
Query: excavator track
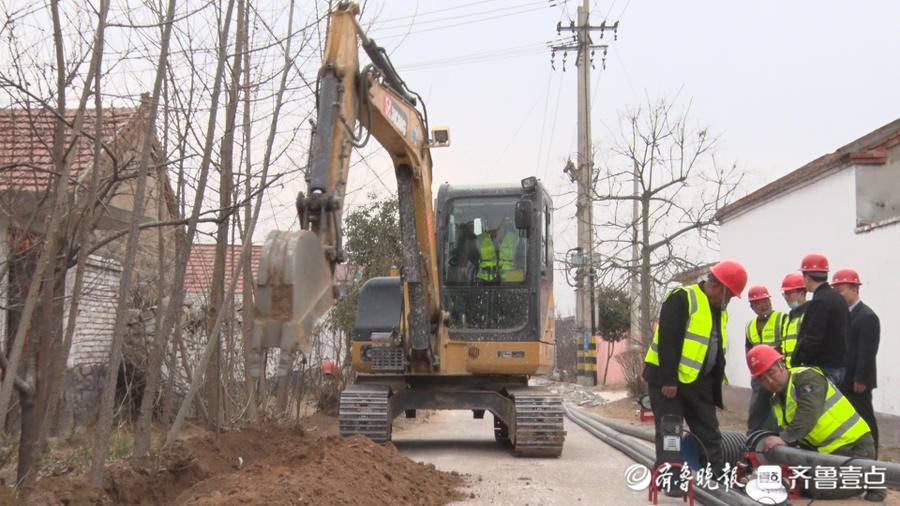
x=539, y=423
x=365, y=410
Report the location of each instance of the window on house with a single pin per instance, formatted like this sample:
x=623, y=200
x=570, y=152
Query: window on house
x=878, y=195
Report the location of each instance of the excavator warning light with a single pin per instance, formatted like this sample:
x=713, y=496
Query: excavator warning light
x=440, y=137
x=529, y=184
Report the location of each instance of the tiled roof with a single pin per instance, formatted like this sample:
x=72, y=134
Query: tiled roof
x=870, y=149
x=26, y=143
x=198, y=277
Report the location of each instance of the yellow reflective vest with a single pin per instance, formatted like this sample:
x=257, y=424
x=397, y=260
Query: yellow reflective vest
x=696, y=336
x=506, y=264
x=772, y=330
x=789, y=337
x=838, y=425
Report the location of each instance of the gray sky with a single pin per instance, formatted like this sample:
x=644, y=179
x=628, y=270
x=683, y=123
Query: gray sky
x=781, y=82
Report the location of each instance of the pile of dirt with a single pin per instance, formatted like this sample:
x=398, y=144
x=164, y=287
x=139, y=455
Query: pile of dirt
x=333, y=471
x=264, y=465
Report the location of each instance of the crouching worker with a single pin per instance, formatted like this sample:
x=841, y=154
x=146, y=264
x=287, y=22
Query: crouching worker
x=811, y=413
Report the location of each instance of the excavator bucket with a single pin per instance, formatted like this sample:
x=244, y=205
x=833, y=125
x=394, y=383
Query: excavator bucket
x=294, y=289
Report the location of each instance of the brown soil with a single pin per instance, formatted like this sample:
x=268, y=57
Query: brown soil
x=262, y=465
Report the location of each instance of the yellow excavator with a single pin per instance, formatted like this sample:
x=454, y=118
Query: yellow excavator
x=470, y=317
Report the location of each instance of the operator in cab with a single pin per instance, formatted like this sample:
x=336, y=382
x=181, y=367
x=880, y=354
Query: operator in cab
x=498, y=247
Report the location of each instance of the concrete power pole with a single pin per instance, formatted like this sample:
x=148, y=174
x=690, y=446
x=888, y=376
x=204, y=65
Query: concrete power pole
x=584, y=286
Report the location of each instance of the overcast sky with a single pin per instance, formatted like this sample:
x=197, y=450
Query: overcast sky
x=781, y=82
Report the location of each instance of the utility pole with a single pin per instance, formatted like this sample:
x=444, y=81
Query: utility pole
x=634, y=286
x=584, y=286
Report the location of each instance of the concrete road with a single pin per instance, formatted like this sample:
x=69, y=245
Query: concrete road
x=588, y=472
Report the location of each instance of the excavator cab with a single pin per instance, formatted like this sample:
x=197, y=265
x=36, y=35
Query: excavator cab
x=496, y=262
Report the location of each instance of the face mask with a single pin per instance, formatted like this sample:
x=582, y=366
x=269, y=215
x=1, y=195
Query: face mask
x=794, y=304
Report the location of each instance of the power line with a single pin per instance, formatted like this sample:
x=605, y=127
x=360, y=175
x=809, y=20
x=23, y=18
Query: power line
x=405, y=25
x=553, y=126
x=623, y=10
x=544, y=122
x=464, y=23
x=488, y=56
x=445, y=9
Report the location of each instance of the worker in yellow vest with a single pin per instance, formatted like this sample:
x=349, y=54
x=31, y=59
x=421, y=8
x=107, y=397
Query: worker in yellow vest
x=793, y=289
x=685, y=364
x=811, y=413
x=498, y=247
x=766, y=328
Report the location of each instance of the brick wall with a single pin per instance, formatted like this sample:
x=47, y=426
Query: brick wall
x=96, y=312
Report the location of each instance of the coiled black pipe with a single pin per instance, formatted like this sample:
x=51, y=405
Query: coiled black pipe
x=733, y=446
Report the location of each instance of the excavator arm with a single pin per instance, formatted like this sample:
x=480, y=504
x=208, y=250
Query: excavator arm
x=296, y=270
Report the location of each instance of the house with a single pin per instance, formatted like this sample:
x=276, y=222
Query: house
x=26, y=157
x=846, y=205
x=198, y=282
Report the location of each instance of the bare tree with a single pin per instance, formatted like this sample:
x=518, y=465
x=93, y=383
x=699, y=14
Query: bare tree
x=245, y=248
x=173, y=309
x=214, y=384
x=194, y=66
x=61, y=352
x=104, y=423
x=668, y=217
x=46, y=283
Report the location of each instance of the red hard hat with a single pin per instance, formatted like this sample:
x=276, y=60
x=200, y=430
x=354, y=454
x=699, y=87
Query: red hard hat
x=761, y=358
x=793, y=281
x=846, y=277
x=732, y=275
x=814, y=262
x=758, y=292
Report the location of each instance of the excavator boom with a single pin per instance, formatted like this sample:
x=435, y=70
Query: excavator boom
x=375, y=98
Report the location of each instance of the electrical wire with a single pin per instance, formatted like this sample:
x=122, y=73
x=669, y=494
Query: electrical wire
x=475, y=61
x=544, y=121
x=464, y=23
x=527, y=48
x=553, y=127
x=445, y=9
x=415, y=20
x=624, y=9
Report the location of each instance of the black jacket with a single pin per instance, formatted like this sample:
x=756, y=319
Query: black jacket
x=822, y=340
x=673, y=321
x=865, y=331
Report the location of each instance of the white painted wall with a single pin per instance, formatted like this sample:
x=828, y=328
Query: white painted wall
x=770, y=241
x=96, y=317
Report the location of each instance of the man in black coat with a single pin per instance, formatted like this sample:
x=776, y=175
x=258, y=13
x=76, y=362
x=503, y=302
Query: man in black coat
x=822, y=340
x=862, y=341
x=684, y=379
